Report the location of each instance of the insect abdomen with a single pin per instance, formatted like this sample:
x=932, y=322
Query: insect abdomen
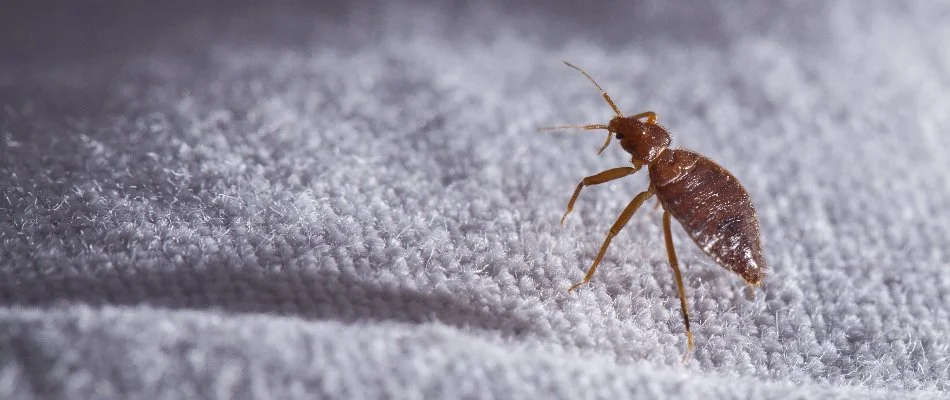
x=714, y=209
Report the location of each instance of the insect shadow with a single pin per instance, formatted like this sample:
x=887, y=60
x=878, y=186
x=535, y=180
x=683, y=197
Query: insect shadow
x=318, y=294
x=220, y=281
x=146, y=182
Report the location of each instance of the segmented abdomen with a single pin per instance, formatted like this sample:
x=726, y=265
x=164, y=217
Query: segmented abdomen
x=714, y=209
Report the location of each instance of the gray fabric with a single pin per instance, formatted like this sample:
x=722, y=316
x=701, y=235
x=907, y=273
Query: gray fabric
x=351, y=201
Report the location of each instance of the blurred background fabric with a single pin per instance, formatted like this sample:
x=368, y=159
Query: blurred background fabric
x=349, y=199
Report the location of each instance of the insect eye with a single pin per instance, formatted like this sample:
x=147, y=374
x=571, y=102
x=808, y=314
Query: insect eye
x=619, y=136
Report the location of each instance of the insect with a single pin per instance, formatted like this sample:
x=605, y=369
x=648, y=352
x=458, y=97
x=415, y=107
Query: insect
x=708, y=201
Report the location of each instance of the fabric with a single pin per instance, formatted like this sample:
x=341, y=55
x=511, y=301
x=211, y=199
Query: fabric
x=351, y=200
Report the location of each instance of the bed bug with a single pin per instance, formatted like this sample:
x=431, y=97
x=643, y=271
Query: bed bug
x=708, y=201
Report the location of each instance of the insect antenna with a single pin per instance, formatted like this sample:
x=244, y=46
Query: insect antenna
x=589, y=127
x=602, y=91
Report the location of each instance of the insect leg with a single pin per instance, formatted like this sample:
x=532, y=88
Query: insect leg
x=621, y=221
x=650, y=115
x=667, y=232
x=605, y=176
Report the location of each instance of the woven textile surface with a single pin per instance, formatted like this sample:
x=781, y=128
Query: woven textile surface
x=351, y=200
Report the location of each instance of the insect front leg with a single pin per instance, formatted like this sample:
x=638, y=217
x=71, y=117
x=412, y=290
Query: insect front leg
x=614, y=230
x=606, y=176
x=650, y=116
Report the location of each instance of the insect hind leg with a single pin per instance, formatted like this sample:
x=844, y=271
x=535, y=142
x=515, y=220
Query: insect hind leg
x=671, y=253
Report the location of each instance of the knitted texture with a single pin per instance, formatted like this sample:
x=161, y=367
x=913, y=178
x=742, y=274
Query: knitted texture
x=351, y=200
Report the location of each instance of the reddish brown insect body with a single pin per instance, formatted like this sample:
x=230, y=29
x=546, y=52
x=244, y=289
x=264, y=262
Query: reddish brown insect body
x=713, y=208
x=706, y=199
